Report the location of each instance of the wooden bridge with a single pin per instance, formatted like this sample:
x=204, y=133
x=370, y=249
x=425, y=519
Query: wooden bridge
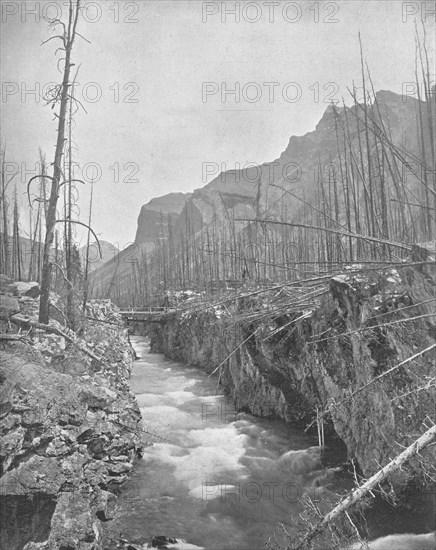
x=146, y=314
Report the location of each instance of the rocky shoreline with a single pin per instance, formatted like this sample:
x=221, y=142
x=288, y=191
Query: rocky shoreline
x=71, y=429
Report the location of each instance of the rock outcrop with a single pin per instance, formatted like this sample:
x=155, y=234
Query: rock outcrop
x=319, y=361
x=71, y=430
x=158, y=215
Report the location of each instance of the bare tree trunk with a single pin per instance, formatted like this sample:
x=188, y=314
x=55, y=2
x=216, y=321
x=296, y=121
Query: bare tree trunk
x=426, y=439
x=68, y=41
x=85, y=281
x=5, y=251
x=16, y=251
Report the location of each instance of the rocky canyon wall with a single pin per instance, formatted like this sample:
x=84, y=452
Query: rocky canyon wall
x=290, y=365
x=71, y=429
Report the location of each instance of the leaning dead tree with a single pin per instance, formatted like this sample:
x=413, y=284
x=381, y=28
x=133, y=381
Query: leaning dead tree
x=355, y=496
x=60, y=97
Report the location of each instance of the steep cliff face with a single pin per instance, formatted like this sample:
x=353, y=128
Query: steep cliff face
x=244, y=191
x=158, y=215
x=320, y=360
x=108, y=278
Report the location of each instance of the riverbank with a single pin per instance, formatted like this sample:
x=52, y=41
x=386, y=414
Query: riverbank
x=215, y=478
x=71, y=428
x=290, y=365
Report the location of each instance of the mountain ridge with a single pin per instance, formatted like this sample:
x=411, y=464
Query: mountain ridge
x=259, y=191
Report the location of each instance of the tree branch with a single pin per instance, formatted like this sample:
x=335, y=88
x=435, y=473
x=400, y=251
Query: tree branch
x=317, y=228
x=87, y=227
x=23, y=321
x=418, y=445
x=30, y=181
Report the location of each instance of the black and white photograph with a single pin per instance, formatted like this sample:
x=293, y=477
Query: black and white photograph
x=218, y=275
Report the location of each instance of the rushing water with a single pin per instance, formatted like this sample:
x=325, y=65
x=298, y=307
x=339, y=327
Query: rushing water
x=218, y=479
x=213, y=477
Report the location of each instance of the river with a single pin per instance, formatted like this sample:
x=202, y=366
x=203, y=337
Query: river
x=214, y=477
x=217, y=478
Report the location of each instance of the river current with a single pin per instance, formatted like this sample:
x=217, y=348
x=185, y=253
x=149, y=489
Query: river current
x=214, y=477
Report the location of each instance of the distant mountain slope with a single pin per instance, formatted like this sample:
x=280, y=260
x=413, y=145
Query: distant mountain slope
x=267, y=191
x=114, y=277
x=110, y=278
x=108, y=250
x=297, y=167
x=156, y=215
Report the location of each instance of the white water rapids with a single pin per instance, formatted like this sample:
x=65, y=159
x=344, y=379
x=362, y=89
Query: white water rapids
x=215, y=478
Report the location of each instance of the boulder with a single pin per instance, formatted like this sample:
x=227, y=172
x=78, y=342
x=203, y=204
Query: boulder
x=97, y=397
x=96, y=446
x=73, y=525
x=119, y=468
x=57, y=448
x=106, y=505
x=10, y=445
x=161, y=541
x=26, y=289
x=26, y=478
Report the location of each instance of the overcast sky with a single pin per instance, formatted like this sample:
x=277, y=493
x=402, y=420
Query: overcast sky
x=156, y=82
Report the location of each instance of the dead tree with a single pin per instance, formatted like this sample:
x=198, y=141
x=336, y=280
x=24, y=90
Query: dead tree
x=61, y=95
x=16, y=248
x=357, y=494
x=58, y=96
x=5, y=245
x=85, y=280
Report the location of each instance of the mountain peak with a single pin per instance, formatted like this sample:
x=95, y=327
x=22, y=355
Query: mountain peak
x=172, y=203
x=327, y=121
x=155, y=212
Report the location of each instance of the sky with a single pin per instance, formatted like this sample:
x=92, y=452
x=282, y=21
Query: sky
x=176, y=90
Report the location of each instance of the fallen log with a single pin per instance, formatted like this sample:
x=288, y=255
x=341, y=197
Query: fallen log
x=12, y=337
x=26, y=322
x=358, y=493
x=328, y=230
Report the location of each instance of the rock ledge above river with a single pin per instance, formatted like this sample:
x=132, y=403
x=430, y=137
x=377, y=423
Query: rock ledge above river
x=68, y=439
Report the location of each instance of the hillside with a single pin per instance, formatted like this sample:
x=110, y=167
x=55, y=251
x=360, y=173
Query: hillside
x=108, y=251
x=110, y=277
x=309, y=175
